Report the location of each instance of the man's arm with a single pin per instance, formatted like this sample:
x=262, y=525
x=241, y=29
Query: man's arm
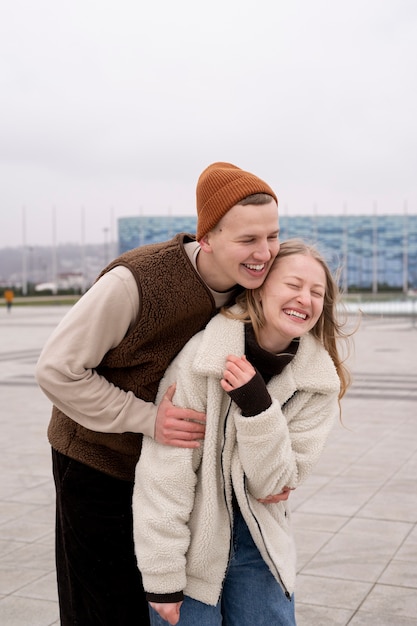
x=67, y=375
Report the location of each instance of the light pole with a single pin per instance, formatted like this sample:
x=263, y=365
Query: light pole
x=106, y=245
x=24, y=255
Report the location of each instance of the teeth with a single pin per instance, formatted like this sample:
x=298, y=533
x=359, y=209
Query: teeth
x=296, y=314
x=258, y=268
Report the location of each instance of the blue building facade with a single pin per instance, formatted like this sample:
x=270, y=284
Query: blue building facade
x=371, y=252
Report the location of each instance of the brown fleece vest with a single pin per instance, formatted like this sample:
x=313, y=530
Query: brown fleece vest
x=175, y=304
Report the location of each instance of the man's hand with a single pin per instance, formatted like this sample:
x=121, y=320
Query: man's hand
x=168, y=611
x=278, y=497
x=175, y=426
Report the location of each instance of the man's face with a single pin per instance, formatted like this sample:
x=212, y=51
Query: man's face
x=242, y=247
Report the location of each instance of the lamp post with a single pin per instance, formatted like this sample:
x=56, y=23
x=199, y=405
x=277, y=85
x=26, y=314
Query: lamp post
x=24, y=255
x=106, y=245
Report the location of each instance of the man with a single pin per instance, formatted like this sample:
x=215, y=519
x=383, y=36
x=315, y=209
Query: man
x=101, y=369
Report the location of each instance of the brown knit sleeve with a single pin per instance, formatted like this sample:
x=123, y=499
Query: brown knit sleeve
x=165, y=597
x=253, y=397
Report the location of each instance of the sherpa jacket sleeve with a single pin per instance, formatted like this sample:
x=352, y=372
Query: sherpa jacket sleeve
x=164, y=490
x=66, y=367
x=279, y=447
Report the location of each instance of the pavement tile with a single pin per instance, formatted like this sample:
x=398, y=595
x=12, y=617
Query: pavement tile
x=44, y=588
x=332, y=592
x=360, y=551
x=27, y=555
x=16, y=611
x=392, y=601
x=310, y=614
x=408, y=550
x=362, y=618
x=400, y=573
x=14, y=577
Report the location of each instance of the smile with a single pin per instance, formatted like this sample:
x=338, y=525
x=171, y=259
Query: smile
x=293, y=313
x=255, y=268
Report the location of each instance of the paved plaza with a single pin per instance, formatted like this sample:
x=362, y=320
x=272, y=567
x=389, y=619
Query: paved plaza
x=355, y=518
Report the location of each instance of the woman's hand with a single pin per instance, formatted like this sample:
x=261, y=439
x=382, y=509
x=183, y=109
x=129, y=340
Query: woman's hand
x=238, y=372
x=169, y=611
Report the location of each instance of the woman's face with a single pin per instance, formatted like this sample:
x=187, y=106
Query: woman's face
x=292, y=299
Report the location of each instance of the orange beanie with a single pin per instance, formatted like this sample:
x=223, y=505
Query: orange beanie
x=221, y=186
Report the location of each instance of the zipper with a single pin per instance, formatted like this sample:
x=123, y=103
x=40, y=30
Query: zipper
x=229, y=511
x=287, y=593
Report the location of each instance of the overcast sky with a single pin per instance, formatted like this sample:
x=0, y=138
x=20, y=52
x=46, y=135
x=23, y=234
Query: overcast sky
x=111, y=109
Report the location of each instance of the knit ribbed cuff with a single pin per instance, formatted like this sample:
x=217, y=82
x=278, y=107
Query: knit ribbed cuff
x=165, y=598
x=252, y=398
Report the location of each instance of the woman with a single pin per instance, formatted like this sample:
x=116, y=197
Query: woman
x=212, y=543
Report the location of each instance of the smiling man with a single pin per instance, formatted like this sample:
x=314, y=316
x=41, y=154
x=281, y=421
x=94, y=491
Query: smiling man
x=101, y=369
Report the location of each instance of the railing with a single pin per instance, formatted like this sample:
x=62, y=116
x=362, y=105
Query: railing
x=383, y=307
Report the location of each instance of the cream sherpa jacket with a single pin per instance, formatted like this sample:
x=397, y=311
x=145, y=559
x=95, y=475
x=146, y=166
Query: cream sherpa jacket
x=182, y=502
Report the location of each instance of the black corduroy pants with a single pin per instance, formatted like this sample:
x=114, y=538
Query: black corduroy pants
x=99, y=583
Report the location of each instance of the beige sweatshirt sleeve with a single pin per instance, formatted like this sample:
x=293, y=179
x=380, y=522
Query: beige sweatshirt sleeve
x=66, y=367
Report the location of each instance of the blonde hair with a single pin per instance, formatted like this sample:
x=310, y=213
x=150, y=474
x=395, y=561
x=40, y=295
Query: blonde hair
x=329, y=329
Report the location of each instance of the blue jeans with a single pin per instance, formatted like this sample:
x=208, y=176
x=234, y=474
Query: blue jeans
x=251, y=595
